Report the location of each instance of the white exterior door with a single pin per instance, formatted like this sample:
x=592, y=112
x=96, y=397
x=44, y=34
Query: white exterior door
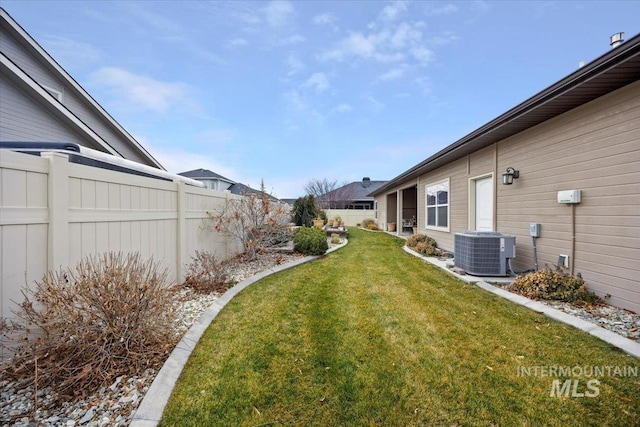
x=484, y=204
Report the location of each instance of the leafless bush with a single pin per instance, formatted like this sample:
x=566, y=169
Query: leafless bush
x=205, y=274
x=254, y=219
x=369, y=224
x=110, y=316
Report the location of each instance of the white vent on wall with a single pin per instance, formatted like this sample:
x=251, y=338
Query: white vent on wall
x=55, y=93
x=484, y=253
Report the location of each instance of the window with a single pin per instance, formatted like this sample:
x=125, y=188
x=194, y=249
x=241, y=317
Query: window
x=437, y=205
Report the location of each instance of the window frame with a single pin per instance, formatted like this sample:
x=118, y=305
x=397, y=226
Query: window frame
x=437, y=205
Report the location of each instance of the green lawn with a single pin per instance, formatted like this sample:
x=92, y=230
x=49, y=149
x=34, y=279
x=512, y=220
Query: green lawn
x=369, y=335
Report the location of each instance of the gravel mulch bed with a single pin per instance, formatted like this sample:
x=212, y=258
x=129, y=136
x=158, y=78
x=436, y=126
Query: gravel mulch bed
x=623, y=322
x=115, y=404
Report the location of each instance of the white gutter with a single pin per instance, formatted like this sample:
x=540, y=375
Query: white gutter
x=130, y=164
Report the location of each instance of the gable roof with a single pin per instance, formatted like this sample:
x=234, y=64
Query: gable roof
x=243, y=190
x=204, y=174
x=31, y=86
x=616, y=68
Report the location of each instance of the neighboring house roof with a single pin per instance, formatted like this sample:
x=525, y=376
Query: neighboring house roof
x=235, y=188
x=359, y=190
x=204, y=174
x=617, y=68
x=34, y=88
x=243, y=190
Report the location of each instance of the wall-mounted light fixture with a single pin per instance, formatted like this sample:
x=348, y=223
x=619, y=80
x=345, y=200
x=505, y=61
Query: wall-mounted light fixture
x=509, y=176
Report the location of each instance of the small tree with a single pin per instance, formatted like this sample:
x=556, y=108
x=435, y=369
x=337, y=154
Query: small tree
x=304, y=210
x=330, y=194
x=255, y=219
x=320, y=188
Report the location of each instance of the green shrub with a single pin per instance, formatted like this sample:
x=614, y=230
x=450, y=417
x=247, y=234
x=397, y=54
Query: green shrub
x=546, y=284
x=423, y=244
x=304, y=211
x=369, y=224
x=335, y=238
x=310, y=241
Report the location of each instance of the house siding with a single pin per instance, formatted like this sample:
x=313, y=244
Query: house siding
x=71, y=99
x=22, y=119
x=28, y=63
x=594, y=148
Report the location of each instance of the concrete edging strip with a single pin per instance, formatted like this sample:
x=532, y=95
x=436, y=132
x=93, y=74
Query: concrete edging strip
x=152, y=406
x=625, y=344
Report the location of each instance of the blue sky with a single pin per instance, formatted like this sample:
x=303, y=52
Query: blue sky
x=290, y=91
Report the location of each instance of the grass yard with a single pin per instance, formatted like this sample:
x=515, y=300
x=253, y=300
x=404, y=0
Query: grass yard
x=371, y=336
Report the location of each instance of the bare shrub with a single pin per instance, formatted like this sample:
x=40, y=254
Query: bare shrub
x=369, y=224
x=110, y=316
x=205, y=274
x=547, y=284
x=254, y=219
x=423, y=244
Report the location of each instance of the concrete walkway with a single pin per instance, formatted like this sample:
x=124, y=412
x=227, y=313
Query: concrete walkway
x=152, y=406
x=625, y=344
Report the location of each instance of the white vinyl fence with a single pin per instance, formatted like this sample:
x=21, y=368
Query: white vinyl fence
x=53, y=212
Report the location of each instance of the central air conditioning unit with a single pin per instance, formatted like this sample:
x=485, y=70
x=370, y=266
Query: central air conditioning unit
x=484, y=253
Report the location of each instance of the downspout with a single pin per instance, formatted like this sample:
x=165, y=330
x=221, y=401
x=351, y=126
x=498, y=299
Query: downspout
x=572, y=260
x=495, y=188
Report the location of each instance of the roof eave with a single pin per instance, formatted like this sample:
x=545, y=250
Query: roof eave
x=54, y=67
x=565, y=86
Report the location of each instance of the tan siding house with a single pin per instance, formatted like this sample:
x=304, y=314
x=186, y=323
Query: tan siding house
x=581, y=133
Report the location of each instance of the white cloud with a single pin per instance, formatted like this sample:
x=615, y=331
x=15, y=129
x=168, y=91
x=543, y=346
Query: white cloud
x=356, y=44
x=175, y=160
x=424, y=84
x=443, y=9
x=404, y=35
x=238, y=42
x=343, y=108
x=294, y=65
x=360, y=45
x=165, y=25
x=327, y=19
x=294, y=39
x=143, y=92
x=295, y=101
x=443, y=39
x=392, y=11
x=422, y=54
x=393, y=74
x=277, y=13
x=317, y=82
x=388, y=45
x=218, y=137
x=374, y=104
x=70, y=52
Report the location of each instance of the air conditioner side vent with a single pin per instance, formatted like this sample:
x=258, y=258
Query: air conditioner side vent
x=483, y=253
